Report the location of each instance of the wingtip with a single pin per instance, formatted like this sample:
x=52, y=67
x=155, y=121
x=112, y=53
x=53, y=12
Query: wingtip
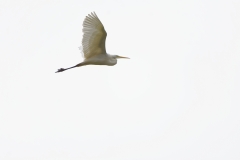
x=93, y=13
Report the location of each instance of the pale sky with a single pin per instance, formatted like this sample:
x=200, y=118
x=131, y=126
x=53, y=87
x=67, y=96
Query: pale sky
x=177, y=98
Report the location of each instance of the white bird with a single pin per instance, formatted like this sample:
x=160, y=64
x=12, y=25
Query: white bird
x=93, y=44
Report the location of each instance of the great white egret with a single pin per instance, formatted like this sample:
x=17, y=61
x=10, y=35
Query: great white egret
x=93, y=44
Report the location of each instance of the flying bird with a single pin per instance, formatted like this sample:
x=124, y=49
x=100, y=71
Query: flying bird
x=93, y=44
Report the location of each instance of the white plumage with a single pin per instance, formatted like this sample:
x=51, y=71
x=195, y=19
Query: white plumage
x=93, y=44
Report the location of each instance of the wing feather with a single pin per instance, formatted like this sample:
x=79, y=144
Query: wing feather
x=94, y=36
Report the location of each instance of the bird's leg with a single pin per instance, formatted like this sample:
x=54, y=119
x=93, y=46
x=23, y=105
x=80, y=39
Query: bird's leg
x=60, y=70
x=64, y=69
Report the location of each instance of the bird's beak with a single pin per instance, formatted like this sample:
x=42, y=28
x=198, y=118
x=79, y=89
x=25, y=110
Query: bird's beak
x=122, y=57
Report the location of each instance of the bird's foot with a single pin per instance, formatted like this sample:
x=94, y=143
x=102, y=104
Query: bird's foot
x=60, y=70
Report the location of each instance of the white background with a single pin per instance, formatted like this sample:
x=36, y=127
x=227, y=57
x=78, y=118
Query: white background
x=177, y=98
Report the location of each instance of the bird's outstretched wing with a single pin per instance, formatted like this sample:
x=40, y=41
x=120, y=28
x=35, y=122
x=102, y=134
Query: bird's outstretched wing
x=94, y=36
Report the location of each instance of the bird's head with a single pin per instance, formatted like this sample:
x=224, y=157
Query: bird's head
x=117, y=57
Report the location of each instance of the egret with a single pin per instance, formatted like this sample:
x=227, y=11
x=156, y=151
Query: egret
x=93, y=44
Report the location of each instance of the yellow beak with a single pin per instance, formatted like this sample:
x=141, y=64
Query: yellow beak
x=122, y=57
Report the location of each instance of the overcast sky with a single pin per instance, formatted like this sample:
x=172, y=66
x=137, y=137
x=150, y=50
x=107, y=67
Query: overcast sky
x=177, y=98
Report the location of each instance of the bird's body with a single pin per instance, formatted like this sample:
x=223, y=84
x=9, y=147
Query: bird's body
x=93, y=43
x=101, y=59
